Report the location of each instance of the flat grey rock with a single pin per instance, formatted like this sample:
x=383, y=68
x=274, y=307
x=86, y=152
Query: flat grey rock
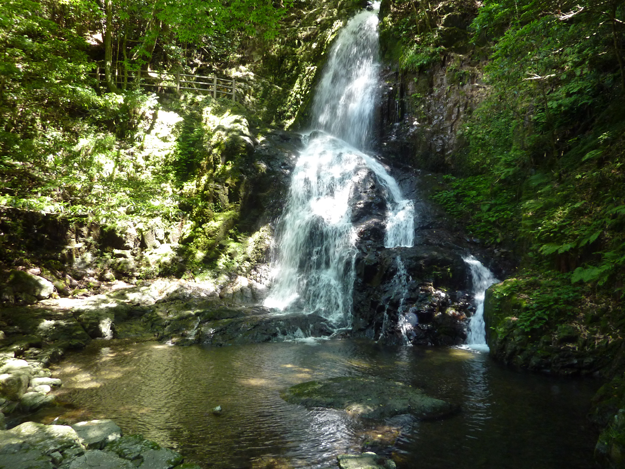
x=95, y=434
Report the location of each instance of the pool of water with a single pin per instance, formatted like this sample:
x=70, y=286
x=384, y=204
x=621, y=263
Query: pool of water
x=508, y=419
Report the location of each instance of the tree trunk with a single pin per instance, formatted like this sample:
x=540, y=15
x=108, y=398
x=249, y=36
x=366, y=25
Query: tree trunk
x=616, y=48
x=108, y=46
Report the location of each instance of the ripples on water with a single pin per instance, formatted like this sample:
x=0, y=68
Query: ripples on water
x=508, y=419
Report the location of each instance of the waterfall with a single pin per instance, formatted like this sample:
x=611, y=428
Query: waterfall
x=345, y=97
x=482, y=278
x=316, y=242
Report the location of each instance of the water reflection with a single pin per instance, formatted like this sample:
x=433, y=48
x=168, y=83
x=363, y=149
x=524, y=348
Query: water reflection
x=508, y=419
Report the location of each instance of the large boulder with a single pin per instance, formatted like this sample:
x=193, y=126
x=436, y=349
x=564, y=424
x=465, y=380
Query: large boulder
x=28, y=288
x=46, y=438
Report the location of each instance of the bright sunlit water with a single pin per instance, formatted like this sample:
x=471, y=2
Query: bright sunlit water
x=508, y=419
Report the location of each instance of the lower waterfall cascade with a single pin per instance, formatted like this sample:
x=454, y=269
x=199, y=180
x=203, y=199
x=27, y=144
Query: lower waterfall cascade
x=482, y=278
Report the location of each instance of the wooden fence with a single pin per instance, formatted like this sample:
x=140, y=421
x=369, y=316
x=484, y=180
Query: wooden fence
x=215, y=86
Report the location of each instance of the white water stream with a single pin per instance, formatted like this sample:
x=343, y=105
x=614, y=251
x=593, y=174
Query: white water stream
x=316, y=242
x=482, y=279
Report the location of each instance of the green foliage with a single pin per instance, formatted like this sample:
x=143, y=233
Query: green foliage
x=420, y=57
x=549, y=299
x=545, y=147
x=190, y=147
x=488, y=211
x=419, y=44
x=197, y=20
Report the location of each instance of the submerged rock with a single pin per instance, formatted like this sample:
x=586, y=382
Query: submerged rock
x=364, y=461
x=371, y=398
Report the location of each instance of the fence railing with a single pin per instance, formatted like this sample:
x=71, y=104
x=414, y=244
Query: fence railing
x=216, y=86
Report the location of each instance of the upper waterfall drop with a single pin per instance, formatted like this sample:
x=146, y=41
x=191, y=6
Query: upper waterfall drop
x=345, y=97
x=316, y=242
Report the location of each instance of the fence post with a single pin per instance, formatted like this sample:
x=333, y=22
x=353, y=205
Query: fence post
x=234, y=86
x=215, y=87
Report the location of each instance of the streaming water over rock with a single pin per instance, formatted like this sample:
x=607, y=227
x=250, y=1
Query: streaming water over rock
x=316, y=240
x=345, y=96
x=482, y=278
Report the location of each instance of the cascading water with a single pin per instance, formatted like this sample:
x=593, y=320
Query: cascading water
x=482, y=279
x=314, y=269
x=345, y=97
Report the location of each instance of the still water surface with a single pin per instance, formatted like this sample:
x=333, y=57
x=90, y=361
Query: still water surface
x=508, y=419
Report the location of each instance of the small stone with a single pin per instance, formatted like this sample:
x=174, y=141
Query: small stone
x=41, y=381
x=42, y=389
x=56, y=457
x=217, y=410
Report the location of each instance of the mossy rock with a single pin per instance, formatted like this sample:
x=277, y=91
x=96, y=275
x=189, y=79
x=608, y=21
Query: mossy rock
x=28, y=286
x=370, y=398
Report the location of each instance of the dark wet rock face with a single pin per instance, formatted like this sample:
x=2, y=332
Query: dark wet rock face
x=430, y=277
x=428, y=281
x=369, y=398
x=274, y=159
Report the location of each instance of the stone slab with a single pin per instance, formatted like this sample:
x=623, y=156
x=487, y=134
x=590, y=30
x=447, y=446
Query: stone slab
x=95, y=434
